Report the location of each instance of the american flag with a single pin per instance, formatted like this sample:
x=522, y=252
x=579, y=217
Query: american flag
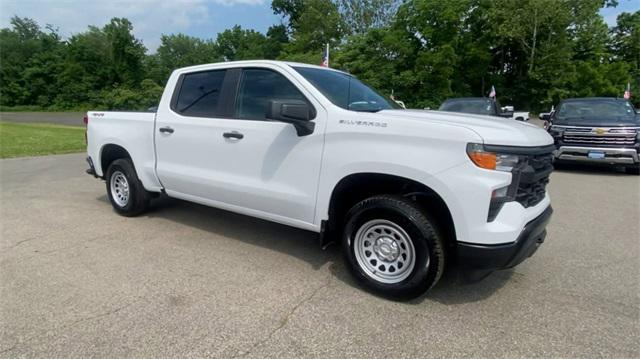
x=325, y=57
x=492, y=94
x=627, y=92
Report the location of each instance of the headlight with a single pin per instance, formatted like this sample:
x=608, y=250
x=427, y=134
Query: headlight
x=491, y=160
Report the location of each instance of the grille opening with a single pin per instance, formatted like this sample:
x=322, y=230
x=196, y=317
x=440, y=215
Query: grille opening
x=534, y=179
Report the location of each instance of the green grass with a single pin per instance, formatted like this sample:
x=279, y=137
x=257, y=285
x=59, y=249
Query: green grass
x=39, y=139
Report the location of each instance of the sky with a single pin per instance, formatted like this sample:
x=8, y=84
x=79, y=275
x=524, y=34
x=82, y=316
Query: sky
x=152, y=18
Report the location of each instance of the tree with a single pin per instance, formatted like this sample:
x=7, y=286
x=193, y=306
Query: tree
x=98, y=59
x=313, y=26
x=177, y=51
x=376, y=58
x=626, y=46
x=30, y=60
x=277, y=38
x=126, y=52
x=291, y=10
x=535, y=52
x=534, y=25
x=363, y=15
x=87, y=68
x=240, y=44
x=432, y=32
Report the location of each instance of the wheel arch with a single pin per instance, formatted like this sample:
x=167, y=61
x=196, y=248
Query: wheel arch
x=355, y=187
x=111, y=152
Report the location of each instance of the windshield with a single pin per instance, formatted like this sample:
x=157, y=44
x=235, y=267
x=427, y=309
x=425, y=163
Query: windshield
x=480, y=106
x=596, y=109
x=346, y=91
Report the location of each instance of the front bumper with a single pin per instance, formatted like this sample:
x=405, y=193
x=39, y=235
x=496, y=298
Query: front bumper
x=493, y=257
x=627, y=156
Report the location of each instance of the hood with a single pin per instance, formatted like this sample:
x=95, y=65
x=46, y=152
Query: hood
x=493, y=130
x=598, y=122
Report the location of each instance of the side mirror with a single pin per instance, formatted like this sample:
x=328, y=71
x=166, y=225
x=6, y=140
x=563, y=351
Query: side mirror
x=545, y=116
x=296, y=112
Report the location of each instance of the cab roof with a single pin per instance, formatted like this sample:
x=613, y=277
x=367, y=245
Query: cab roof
x=258, y=63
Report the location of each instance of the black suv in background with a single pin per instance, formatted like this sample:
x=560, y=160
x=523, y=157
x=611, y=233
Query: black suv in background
x=476, y=106
x=596, y=130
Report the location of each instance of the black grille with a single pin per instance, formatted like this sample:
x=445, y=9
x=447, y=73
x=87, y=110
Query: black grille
x=533, y=179
x=530, y=194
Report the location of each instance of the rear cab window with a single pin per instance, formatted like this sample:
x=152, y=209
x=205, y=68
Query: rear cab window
x=198, y=94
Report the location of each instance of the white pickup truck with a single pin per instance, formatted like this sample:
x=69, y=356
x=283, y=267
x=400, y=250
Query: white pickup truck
x=403, y=191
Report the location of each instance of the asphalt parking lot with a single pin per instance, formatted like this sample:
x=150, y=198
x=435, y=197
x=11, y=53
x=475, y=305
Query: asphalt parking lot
x=76, y=280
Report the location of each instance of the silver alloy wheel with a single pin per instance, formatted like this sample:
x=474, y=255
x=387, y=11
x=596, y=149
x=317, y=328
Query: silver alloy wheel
x=384, y=251
x=119, y=188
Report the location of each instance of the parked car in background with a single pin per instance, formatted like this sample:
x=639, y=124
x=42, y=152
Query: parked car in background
x=403, y=191
x=521, y=116
x=517, y=115
x=596, y=130
x=477, y=106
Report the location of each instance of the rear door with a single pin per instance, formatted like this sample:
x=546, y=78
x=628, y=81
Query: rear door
x=237, y=158
x=187, y=132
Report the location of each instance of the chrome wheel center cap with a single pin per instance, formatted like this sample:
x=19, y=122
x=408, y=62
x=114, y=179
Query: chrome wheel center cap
x=386, y=249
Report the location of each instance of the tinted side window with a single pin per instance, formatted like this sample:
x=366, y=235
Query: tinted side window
x=199, y=93
x=257, y=88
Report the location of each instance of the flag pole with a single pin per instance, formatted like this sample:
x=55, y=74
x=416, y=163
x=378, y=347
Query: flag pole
x=327, y=54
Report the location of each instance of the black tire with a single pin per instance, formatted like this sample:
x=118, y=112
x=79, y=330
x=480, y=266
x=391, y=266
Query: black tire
x=138, y=197
x=633, y=170
x=421, y=231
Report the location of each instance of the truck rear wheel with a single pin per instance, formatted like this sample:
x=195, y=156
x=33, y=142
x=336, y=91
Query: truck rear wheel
x=392, y=247
x=126, y=193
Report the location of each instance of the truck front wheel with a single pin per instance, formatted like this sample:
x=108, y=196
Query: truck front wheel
x=392, y=247
x=126, y=193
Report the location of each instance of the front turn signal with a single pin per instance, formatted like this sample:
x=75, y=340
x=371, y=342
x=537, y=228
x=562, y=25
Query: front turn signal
x=480, y=157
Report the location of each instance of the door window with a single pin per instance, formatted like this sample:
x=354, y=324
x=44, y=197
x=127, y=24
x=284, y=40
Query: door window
x=257, y=88
x=199, y=94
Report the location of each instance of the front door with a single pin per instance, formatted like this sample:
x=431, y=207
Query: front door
x=235, y=157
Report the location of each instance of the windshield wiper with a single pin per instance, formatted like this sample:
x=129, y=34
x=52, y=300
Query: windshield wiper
x=205, y=94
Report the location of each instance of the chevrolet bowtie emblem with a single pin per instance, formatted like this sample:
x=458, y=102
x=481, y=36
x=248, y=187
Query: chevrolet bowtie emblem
x=600, y=131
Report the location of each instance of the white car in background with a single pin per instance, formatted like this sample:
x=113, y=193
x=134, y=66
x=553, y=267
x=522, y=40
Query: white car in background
x=517, y=115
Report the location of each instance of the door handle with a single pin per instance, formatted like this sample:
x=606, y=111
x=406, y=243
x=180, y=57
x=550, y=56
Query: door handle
x=166, y=129
x=233, y=134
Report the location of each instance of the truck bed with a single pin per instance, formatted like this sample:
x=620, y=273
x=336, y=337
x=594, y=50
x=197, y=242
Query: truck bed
x=131, y=130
